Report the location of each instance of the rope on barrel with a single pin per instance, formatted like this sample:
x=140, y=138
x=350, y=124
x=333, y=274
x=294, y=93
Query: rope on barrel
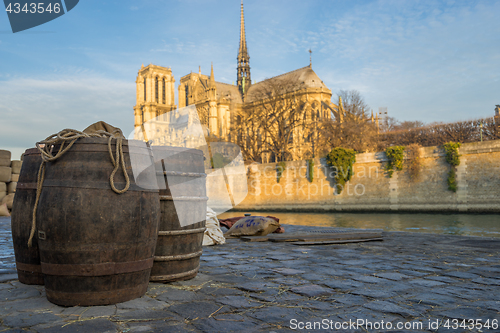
x=66, y=138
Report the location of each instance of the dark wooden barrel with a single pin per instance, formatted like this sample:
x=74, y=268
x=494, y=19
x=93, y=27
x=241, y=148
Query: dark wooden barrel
x=178, y=250
x=28, y=266
x=96, y=246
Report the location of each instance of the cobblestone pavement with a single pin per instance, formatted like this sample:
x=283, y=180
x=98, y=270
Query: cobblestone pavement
x=274, y=287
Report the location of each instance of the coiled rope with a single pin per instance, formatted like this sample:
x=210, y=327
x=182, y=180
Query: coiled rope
x=66, y=138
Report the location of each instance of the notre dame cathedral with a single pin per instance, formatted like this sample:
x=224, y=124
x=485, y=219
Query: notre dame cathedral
x=225, y=108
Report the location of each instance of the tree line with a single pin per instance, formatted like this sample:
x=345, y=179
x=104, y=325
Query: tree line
x=271, y=126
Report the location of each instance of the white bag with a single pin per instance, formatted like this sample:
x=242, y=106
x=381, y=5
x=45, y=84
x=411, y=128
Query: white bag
x=213, y=234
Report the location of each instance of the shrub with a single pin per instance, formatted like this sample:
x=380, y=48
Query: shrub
x=452, y=180
x=280, y=168
x=310, y=170
x=413, y=162
x=395, y=154
x=453, y=159
x=452, y=156
x=342, y=160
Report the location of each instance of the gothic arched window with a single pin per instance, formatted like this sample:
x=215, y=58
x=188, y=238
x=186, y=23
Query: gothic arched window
x=144, y=89
x=163, y=91
x=156, y=89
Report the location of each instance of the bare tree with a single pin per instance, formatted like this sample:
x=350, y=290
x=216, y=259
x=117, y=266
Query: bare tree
x=250, y=136
x=274, y=116
x=351, y=126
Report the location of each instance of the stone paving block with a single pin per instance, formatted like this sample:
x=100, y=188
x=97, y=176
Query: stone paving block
x=8, y=277
x=311, y=290
x=18, y=293
x=141, y=303
x=315, y=277
x=217, y=291
x=426, y=283
x=440, y=278
x=31, y=304
x=277, y=314
x=434, y=299
x=259, y=275
x=212, y=325
x=5, y=329
x=289, y=281
x=373, y=293
x=487, y=281
x=295, y=263
x=27, y=319
x=347, y=299
x=193, y=310
x=461, y=275
x=159, y=326
x=321, y=306
x=412, y=272
x=392, y=276
x=466, y=313
x=100, y=325
x=389, y=307
x=220, y=270
x=279, y=297
x=357, y=312
x=355, y=271
x=237, y=301
x=256, y=287
x=463, y=293
x=241, y=268
x=143, y=315
x=368, y=279
x=343, y=284
x=98, y=311
x=490, y=305
x=178, y=295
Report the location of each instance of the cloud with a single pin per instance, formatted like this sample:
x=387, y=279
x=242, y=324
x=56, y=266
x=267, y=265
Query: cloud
x=31, y=109
x=422, y=59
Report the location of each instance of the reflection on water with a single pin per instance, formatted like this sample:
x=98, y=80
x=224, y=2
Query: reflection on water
x=456, y=224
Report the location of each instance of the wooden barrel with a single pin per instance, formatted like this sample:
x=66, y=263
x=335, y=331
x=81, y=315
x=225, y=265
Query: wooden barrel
x=178, y=249
x=96, y=246
x=28, y=266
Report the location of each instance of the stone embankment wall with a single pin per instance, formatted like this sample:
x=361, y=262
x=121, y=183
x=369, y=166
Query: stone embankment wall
x=371, y=189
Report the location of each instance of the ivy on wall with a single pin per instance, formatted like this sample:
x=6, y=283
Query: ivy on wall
x=310, y=169
x=453, y=159
x=395, y=154
x=341, y=160
x=413, y=160
x=280, y=168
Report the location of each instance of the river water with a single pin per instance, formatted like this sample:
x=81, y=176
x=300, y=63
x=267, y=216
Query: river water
x=454, y=224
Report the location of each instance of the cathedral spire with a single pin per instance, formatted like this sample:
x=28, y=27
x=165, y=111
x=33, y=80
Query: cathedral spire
x=244, y=78
x=212, y=78
x=243, y=40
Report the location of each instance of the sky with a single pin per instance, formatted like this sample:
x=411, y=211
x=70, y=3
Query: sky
x=423, y=60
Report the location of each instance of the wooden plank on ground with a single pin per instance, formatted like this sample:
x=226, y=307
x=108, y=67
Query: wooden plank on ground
x=344, y=241
x=314, y=237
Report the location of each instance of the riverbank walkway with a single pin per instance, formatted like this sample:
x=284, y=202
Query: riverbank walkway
x=410, y=282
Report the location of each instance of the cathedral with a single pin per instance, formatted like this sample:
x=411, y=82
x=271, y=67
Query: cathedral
x=227, y=110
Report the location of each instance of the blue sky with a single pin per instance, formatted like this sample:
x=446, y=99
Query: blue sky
x=423, y=60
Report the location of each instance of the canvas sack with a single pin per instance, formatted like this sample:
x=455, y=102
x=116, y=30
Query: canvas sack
x=4, y=211
x=253, y=226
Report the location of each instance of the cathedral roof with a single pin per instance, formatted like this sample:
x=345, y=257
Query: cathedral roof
x=301, y=78
x=225, y=90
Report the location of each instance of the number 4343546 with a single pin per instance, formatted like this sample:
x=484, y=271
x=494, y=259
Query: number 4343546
x=471, y=324
x=33, y=8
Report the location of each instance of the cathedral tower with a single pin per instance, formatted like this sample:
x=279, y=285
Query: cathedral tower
x=155, y=93
x=244, y=79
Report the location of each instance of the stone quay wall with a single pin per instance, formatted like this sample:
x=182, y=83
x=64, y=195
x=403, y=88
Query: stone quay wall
x=371, y=189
